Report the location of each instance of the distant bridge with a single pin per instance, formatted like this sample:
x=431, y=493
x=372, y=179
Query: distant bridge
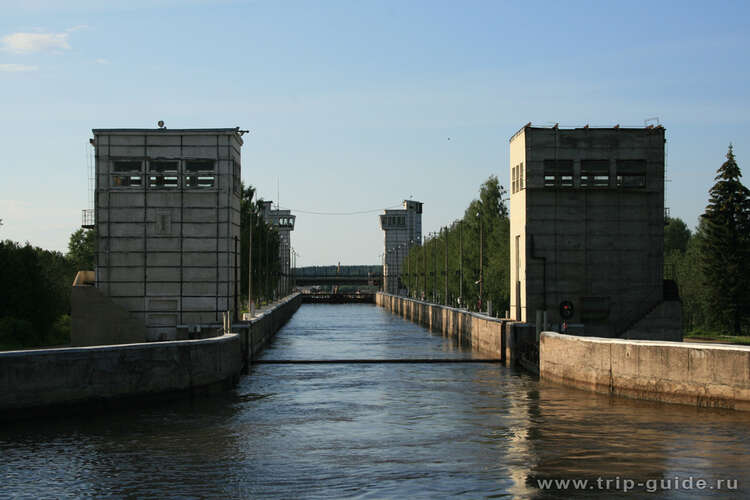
x=328, y=280
x=338, y=298
x=338, y=275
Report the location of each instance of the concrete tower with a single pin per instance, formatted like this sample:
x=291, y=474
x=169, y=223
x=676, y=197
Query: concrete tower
x=403, y=229
x=587, y=230
x=167, y=219
x=283, y=221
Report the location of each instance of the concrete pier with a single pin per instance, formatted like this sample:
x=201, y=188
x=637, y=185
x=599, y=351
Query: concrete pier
x=513, y=342
x=75, y=379
x=705, y=375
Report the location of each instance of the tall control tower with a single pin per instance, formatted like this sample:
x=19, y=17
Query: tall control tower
x=403, y=229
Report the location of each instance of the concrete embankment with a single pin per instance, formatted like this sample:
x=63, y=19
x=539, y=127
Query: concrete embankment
x=703, y=375
x=513, y=342
x=256, y=333
x=50, y=381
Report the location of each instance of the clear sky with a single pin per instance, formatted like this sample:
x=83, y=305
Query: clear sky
x=354, y=106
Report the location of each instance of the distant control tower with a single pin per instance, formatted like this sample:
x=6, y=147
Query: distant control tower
x=403, y=229
x=283, y=221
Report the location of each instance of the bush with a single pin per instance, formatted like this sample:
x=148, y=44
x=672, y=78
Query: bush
x=60, y=333
x=16, y=333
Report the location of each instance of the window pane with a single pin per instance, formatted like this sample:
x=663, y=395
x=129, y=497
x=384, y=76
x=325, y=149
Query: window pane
x=199, y=165
x=631, y=181
x=163, y=166
x=162, y=181
x=126, y=180
x=199, y=181
x=126, y=166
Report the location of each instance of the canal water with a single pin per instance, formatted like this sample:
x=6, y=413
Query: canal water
x=473, y=430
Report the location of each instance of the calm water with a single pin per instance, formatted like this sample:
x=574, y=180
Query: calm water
x=379, y=431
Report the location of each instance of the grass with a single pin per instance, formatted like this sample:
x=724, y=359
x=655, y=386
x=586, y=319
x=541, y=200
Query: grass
x=701, y=334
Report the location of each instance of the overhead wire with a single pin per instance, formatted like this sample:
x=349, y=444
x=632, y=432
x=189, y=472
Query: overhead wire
x=357, y=212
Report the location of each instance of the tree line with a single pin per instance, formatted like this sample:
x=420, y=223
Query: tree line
x=446, y=268
x=266, y=265
x=35, y=296
x=711, y=265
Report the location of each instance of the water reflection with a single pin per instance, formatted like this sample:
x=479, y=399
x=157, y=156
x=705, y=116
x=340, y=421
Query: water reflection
x=374, y=431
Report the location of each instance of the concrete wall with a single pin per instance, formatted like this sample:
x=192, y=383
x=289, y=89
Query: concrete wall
x=707, y=375
x=96, y=320
x=513, y=342
x=255, y=334
x=47, y=380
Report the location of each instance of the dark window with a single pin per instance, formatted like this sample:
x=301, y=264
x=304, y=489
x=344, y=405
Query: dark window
x=199, y=181
x=199, y=166
x=163, y=166
x=163, y=181
x=558, y=173
x=631, y=173
x=127, y=180
x=127, y=166
x=594, y=173
x=236, y=180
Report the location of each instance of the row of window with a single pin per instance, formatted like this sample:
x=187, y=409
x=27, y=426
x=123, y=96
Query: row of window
x=393, y=220
x=517, y=178
x=594, y=174
x=164, y=181
x=163, y=166
x=286, y=221
x=165, y=174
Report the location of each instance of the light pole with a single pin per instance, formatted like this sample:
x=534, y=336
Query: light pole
x=408, y=269
x=398, y=269
x=445, y=297
x=434, y=268
x=250, y=304
x=481, y=261
x=460, y=262
x=382, y=272
x=424, y=269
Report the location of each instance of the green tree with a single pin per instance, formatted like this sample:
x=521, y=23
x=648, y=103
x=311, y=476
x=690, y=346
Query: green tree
x=725, y=247
x=82, y=249
x=461, y=240
x=266, y=264
x=34, y=296
x=676, y=235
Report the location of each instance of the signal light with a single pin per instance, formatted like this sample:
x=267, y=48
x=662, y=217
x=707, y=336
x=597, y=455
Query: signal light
x=566, y=309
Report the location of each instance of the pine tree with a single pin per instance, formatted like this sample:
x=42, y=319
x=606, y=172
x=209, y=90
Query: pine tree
x=725, y=247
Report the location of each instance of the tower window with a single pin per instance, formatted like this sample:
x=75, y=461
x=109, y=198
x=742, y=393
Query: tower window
x=631, y=173
x=558, y=173
x=594, y=173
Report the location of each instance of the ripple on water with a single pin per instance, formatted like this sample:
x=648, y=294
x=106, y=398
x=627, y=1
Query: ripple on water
x=372, y=431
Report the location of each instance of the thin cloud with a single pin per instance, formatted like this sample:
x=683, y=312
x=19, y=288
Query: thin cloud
x=17, y=68
x=78, y=27
x=102, y=61
x=27, y=43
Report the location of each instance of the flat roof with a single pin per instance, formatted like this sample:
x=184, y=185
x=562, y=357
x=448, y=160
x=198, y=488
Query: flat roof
x=586, y=127
x=235, y=130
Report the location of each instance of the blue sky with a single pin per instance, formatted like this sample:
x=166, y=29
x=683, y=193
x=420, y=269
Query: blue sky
x=351, y=104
